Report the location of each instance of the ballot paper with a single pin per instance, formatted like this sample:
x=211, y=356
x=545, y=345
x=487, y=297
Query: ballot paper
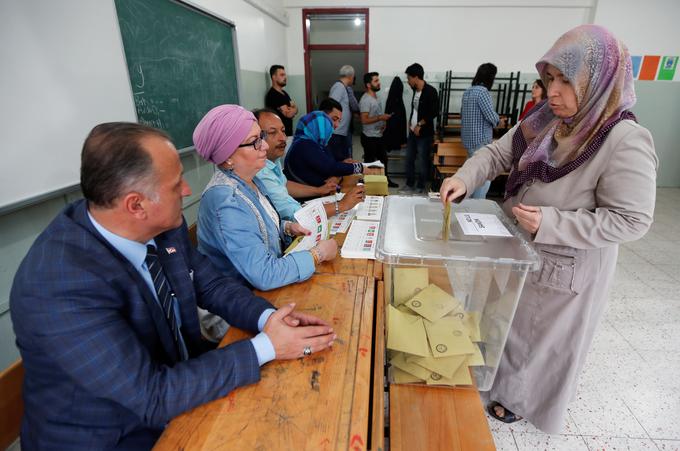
x=406, y=333
x=407, y=282
x=361, y=240
x=446, y=224
x=481, y=224
x=312, y=217
x=370, y=209
x=341, y=222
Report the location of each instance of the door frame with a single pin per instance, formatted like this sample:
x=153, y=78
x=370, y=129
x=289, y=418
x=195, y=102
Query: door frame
x=306, y=12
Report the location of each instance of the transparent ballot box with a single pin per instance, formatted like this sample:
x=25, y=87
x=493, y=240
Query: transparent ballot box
x=450, y=302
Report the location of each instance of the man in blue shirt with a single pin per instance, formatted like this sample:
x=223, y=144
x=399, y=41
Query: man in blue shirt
x=478, y=117
x=279, y=189
x=104, y=307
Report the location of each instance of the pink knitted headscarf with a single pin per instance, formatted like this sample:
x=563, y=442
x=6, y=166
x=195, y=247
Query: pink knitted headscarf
x=220, y=132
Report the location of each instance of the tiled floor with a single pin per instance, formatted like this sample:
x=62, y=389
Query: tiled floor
x=629, y=391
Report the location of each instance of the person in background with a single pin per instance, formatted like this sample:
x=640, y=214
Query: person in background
x=538, y=94
x=373, y=122
x=340, y=144
x=333, y=110
x=278, y=99
x=394, y=135
x=478, y=117
x=582, y=181
x=309, y=161
x=239, y=230
x=424, y=109
x=281, y=191
x=104, y=307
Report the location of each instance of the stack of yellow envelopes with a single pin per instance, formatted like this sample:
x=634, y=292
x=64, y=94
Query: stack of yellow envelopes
x=431, y=337
x=375, y=185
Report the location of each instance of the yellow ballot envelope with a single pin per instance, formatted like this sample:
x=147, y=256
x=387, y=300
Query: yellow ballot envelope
x=432, y=303
x=402, y=377
x=406, y=332
x=446, y=366
x=476, y=359
x=408, y=282
x=448, y=338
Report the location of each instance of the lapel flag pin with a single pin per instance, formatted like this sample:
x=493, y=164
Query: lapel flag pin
x=170, y=250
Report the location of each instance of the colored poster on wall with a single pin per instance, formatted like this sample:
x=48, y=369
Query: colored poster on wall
x=637, y=60
x=667, y=68
x=650, y=64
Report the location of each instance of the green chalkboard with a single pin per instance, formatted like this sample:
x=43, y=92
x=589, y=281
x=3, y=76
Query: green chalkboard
x=181, y=64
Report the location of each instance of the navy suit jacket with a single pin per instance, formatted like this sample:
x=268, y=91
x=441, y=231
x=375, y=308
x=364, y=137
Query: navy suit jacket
x=102, y=369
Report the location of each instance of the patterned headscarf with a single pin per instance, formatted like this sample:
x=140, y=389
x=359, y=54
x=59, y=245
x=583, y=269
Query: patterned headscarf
x=315, y=126
x=599, y=68
x=221, y=130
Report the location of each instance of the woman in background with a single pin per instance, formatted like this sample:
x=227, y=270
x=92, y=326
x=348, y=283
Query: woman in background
x=394, y=136
x=538, y=93
x=478, y=117
x=582, y=181
x=309, y=161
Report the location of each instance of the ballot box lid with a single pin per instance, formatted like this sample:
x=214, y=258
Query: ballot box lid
x=411, y=234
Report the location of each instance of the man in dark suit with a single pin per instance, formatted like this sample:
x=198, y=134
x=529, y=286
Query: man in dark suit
x=104, y=307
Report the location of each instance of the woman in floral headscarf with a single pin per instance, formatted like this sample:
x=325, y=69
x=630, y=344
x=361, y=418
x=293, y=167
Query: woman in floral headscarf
x=582, y=180
x=308, y=160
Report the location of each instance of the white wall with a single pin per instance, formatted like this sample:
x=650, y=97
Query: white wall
x=647, y=28
x=513, y=34
x=261, y=38
x=459, y=35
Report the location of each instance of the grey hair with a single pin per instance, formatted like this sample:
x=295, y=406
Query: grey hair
x=346, y=71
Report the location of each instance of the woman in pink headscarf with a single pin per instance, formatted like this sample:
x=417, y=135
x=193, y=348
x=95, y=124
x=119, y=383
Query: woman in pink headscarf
x=582, y=180
x=238, y=228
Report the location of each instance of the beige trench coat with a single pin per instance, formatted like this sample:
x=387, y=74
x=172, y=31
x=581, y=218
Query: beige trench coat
x=606, y=201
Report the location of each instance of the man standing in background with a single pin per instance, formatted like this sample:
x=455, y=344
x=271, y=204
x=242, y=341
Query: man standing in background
x=424, y=106
x=340, y=143
x=373, y=123
x=278, y=99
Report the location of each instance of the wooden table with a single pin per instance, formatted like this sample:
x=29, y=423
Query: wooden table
x=323, y=402
x=320, y=402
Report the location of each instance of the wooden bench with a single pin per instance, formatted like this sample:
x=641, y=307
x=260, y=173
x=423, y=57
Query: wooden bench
x=11, y=403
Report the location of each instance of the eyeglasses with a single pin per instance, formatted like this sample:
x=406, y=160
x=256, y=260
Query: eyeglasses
x=257, y=144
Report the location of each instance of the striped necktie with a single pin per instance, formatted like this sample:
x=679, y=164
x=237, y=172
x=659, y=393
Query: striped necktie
x=166, y=298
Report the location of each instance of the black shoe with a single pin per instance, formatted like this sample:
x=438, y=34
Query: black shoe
x=391, y=184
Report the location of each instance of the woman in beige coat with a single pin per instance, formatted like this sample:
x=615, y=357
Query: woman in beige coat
x=582, y=180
